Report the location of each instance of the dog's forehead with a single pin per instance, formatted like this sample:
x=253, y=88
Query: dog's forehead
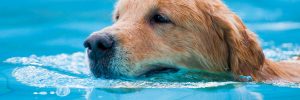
x=126, y=4
x=123, y=5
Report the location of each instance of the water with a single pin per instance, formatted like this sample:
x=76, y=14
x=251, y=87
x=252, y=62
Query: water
x=42, y=55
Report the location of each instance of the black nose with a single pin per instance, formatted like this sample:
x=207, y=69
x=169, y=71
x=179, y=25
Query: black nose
x=100, y=43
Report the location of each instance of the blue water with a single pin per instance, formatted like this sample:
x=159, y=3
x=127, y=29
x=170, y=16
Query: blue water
x=41, y=54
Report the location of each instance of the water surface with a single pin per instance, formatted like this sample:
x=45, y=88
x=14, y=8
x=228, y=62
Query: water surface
x=42, y=54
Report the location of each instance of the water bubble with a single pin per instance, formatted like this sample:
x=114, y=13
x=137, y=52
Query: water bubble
x=246, y=78
x=35, y=93
x=62, y=91
x=43, y=93
x=52, y=92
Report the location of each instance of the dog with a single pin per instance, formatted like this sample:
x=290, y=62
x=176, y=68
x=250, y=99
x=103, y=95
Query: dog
x=158, y=35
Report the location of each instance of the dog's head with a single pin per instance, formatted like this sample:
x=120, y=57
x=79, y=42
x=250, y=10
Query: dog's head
x=156, y=35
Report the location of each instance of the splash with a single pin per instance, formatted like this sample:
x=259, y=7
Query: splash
x=286, y=51
x=72, y=64
x=40, y=77
x=71, y=71
x=282, y=83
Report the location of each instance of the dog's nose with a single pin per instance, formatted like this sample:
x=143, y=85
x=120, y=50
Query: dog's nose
x=100, y=43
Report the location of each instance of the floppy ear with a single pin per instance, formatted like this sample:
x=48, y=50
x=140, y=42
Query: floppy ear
x=245, y=54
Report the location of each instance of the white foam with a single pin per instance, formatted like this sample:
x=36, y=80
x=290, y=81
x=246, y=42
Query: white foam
x=73, y=63
x=71, y=71
x=40, y=77
x=286, y=51
x=282, y=83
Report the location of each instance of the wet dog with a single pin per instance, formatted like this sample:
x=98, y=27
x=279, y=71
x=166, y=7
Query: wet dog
x=159, y=35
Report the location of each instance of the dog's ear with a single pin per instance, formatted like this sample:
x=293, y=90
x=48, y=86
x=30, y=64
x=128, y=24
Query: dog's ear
x=245, y=53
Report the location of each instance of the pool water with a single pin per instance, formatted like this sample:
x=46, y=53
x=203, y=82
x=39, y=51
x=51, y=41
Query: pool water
x=42, y=55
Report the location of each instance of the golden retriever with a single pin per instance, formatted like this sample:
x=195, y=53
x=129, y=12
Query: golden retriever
x=157, y=35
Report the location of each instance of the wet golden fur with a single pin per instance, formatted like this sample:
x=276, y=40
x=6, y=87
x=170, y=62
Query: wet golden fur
x=204, y=35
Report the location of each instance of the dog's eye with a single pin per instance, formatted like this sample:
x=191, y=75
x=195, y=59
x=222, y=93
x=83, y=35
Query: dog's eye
x=160, y=19
x=117, y=17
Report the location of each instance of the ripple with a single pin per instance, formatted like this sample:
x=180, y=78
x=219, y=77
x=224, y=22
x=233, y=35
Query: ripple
x=284, y=84
x=66, y=71
x=40, y=77
x=286, y=51
x=74, y=63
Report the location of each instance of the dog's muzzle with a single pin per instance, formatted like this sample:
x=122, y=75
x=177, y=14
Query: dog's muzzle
x=100, y=51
